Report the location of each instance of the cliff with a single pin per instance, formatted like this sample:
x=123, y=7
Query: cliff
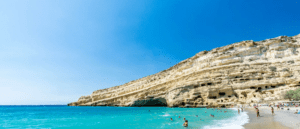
x=241, y=73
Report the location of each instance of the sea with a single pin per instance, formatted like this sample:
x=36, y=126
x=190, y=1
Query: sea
x=76, y=117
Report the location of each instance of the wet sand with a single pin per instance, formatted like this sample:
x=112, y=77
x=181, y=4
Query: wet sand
x=266, y=120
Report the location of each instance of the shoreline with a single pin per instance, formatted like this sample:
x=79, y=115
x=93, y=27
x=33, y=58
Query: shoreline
x=282, y=119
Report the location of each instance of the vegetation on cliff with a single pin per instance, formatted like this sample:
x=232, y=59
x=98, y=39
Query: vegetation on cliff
x=293, y=94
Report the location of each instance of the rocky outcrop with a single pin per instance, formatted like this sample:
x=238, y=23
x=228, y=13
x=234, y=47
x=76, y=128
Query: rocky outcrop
x=241, y=73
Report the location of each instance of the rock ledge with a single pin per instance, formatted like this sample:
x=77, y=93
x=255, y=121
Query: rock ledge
x=241, y=73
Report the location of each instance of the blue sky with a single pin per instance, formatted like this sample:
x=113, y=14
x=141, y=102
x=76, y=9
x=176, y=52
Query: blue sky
x=54, y=51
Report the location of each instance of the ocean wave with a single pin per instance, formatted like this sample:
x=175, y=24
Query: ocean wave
x=236, y=122
x=165, y=115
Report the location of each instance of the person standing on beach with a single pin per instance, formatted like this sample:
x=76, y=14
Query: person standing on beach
x=239, y=111
x=272, y=110
x=257, y=112
x=242, y=109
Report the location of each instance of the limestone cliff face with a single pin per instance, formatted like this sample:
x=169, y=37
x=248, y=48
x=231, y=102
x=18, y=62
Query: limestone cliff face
x=240, y=73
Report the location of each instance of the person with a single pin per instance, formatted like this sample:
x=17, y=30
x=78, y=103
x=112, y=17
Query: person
x=277, y=107
x=185, y=124
x=257, y=112
x=239, y=111
x=212, y=115
x=171, y=119
x=179, y=117
x=205, y=111
x=196, y=115
x=184, y=118
x=272, y=110
x=242, y=109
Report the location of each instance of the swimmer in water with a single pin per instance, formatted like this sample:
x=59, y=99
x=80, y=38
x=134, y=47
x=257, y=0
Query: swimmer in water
x=196, y=115
x=179, y=117
x=185, y=124
x=205, y=111
x=171, y=119
x=212, y=115
x=184, y=118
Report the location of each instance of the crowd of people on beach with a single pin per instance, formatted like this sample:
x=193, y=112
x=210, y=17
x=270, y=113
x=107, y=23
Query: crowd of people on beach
x=278, y=108
x=185, y=124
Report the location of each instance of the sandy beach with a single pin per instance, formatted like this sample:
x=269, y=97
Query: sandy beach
x=283, y=119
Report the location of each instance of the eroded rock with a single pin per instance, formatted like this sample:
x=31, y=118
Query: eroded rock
x=241, y=73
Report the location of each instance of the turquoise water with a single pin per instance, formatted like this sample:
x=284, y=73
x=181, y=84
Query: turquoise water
x=114, y=117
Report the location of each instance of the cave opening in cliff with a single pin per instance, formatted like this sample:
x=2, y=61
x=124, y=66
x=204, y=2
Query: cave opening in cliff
x=266, y=87
x=244, y=93
x=199, y=96
x=202, y=84
x=252, y=87
x=158, y=102
x=273, y=86
x=183, y=103
x=258, y=89
x=212, y=97
x=229, y=96
x=209, y=83
x=222, y=93
x=237, y=76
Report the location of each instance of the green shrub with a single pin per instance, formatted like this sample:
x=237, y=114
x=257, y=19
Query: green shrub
x=289, y=94
x=293, y=94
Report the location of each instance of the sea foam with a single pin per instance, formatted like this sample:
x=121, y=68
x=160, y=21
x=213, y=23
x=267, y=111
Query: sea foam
x=236, y=122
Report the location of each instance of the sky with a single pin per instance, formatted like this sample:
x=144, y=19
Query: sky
x=54, y=51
